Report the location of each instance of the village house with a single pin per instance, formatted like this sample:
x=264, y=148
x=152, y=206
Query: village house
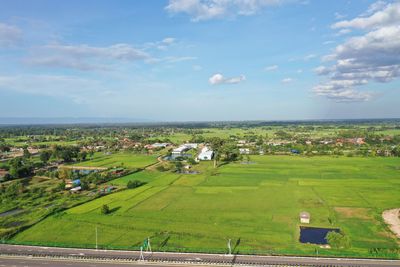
x=3, y=173
x=179, y=151
x=244, y=151
x=205, y=154
x=305, y=217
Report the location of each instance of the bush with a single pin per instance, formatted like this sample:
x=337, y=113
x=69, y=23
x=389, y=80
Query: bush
x=134, y=184
x=338, y=240
x=105, y=209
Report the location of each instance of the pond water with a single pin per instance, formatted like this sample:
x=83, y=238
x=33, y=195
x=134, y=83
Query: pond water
x=315, y=235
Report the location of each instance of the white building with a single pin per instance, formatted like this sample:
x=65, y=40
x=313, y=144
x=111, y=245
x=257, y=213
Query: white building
x=178, y=152
x=245, y=151
x=305, y=217
x=160, y=145
x=205, y=154
x=75, y=189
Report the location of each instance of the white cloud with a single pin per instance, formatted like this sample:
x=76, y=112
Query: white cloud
x=339, y=16
x=84, y=57
x=328, y=42
x=379, y=5
x=343, y=32
x=9, y=35
x=64, y=62
x=168, y=40
x=179, y=59
x=373, y=56
x=116, y=51
x=211, y=9
x=218, y=78
x=309, y=57
x=197, y=67
x=271, y=68
x=287, y=80
x=52, y=85
x=388, y=16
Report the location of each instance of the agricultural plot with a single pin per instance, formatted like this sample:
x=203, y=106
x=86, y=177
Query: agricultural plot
x=256, y=205
x=128, y=160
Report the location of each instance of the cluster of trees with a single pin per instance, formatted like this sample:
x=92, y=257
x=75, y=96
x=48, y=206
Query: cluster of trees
x=12, y=190
x=65, y=153
x=225, y=150
x=20, y=167
x=338, y=240
x=134, y=184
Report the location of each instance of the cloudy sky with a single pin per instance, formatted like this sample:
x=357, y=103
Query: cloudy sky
x=190, y=60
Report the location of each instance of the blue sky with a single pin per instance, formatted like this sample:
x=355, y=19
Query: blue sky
x=193, y=60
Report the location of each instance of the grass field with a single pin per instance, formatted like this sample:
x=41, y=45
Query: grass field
x=126, y=159
x=256, y=205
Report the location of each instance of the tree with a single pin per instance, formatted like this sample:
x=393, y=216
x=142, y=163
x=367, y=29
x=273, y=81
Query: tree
x=134, y=184
x=82, y=155
x=64, y=174
x=91, y=153
x=216, y=144
x=4, y=147
x=338, y=240
x=20, y=168
x=229, y=151
x=105, y=209
x=178, y=166
x=27, y=154
x=61, y=186
x=84, y=185
x=45, y=156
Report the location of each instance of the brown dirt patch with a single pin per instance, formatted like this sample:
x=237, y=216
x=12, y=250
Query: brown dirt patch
x=392, y=218
x=358, y=213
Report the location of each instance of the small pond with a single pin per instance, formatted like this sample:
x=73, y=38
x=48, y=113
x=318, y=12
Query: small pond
x=315, y=235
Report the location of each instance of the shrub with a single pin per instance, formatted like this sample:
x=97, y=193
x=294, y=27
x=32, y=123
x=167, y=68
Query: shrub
x=338, y=240
x=134, y=184
x=105, y=209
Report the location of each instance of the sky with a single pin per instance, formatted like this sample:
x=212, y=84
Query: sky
x=200, y=60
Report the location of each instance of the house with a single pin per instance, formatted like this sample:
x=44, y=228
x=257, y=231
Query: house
x=245, y=151
x=295, y=151
x=178, y=152
x=75, y=189
x=160, y=145
x=205, y=154
x=3, y=172
x=305, y=217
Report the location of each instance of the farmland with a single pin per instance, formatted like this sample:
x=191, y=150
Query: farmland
x=255, y=203
x=128, y=160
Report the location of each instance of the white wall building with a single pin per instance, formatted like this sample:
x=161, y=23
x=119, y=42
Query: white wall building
x=178, y=152
x=245, y=151
x=205, y=154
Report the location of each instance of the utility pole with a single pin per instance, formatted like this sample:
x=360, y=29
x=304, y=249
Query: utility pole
x=96, y=238
x=141, y=257
x=148, y=244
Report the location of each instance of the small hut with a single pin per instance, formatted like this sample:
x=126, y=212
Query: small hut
x=305, y=217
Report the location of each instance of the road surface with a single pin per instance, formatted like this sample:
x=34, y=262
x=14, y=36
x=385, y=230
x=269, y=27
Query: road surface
x=36, y=262
x=187, y=258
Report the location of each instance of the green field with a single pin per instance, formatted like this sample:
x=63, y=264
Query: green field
x=256, y=205
x=125, y=159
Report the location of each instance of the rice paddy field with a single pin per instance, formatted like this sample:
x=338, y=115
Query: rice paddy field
x=257, y=205
x=126, y=159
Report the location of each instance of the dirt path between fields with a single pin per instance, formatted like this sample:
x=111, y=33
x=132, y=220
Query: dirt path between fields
x=392, y=218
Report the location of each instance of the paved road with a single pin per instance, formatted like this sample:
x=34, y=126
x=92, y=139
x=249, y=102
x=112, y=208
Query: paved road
x=35, y=262
x=189, y=258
